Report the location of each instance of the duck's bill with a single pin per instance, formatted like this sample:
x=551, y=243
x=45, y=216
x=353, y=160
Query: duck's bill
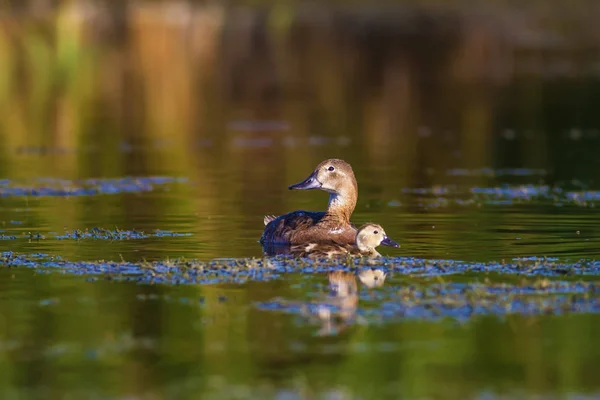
x=389, y=242
x=309, y=183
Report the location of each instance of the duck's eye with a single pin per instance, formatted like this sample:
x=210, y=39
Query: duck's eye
x=331, y=168
x=376, y=232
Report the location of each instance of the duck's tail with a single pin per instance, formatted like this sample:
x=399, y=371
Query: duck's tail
x=268, y=218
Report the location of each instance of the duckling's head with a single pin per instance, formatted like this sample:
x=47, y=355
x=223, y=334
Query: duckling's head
x=369, y=236
x=333, y=175
x=372, y=278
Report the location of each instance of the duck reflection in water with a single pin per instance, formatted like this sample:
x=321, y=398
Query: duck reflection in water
x=338, y=309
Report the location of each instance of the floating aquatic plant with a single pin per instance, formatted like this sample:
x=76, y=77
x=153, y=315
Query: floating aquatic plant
x=449, y=300
x=496, y=172
x=116, y=234
x=98, y=234
x=346, y=304
x=85, y=187
x=389, y=287
x=441, y=196
x=236, y=270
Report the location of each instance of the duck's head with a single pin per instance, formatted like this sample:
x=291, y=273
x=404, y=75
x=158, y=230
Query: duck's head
x=334, y=176
x=369, y=236
x=342, y=283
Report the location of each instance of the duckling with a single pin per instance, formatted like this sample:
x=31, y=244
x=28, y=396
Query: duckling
x=336, y=177
x=368, y=237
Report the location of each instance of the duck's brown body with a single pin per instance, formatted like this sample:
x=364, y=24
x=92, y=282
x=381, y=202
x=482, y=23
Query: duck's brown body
x=308, y=227
x=333, y=226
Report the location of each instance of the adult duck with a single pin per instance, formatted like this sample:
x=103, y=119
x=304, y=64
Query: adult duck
x=303, y=227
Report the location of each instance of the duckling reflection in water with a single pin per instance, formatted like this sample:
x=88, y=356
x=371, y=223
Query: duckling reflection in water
x=372, y=278
x=368, y=237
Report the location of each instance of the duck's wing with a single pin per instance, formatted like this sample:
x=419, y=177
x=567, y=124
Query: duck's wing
x=280, y=229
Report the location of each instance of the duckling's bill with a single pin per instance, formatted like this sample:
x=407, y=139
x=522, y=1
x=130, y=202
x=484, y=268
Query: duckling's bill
x=389, y=242
x=309, y=183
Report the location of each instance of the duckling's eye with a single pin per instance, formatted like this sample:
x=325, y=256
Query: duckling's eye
x=376, y=232
x=331, y=168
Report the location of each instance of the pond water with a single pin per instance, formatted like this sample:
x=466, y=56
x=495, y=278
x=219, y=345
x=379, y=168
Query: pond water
x=132, y=200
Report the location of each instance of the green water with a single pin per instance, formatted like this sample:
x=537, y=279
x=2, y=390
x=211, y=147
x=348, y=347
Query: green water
x=103, y=339
x=429, y=105
x=63, y=335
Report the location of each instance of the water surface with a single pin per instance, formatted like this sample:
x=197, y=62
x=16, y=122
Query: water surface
x=136, y=168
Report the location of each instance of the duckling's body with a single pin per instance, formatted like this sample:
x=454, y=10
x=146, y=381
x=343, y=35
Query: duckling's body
x=332, y=226
x=322, y=250
x=367, y=238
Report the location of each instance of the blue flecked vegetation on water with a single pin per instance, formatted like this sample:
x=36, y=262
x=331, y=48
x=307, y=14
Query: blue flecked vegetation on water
x=415, y=288
x=84, y=187
x=441, y=196
x=459, y=301
x=227, y=270
x=490, y=172
x=96, y=234
x=117, y=234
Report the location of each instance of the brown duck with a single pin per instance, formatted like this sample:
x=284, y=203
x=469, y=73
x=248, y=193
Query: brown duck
x=302, y=227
